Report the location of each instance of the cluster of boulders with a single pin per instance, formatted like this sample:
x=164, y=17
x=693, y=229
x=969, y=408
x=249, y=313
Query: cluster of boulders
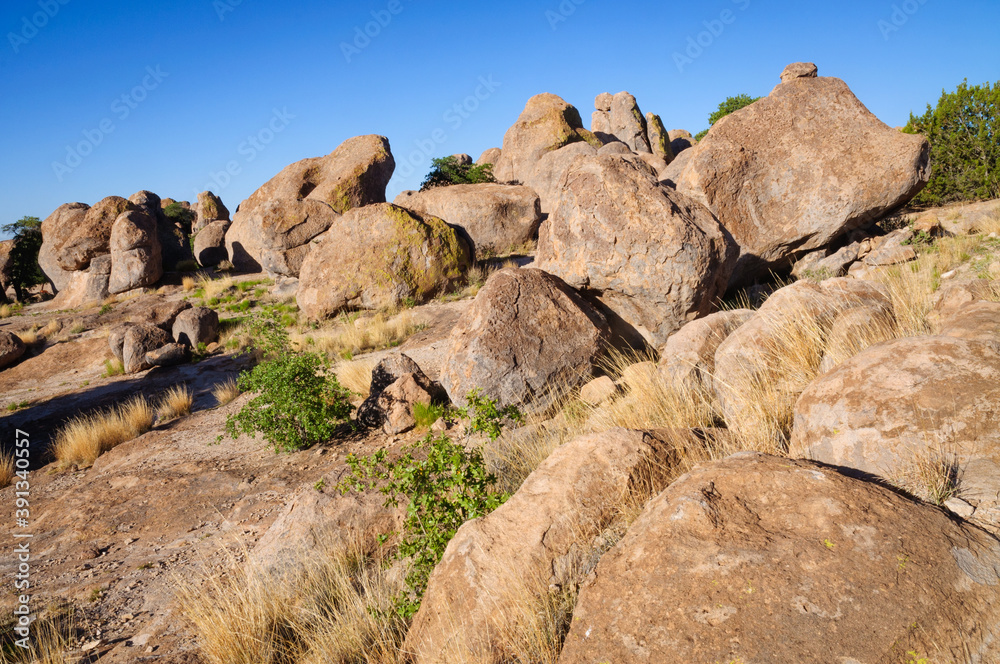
x=164, y=335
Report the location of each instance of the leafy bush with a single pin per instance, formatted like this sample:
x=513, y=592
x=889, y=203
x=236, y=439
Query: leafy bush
x=448, y=171
x=24, y=269
x=445, y=487
x=298, y=401
x=731, y=105
x=179, y=214
x=964, y=133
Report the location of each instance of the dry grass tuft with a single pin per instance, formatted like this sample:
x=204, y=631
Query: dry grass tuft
x=176, y=402
x=86, y=437
x=337, y=607
x=29, y=337
x=356, y=375
x=354, y=335
x=6, y=469
x=5, y=310
x=50, y=643
x=226, y=392
x=215, y=287
x=188, y=284
x=930, y=473
x=51, y=329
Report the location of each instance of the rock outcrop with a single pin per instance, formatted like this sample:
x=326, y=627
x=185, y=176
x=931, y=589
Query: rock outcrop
x=196, y=326
x=496, y=218
x=137, y=342
x=688, y=357
x=379, y=256
x=272, y=229
x=796, y=170
x=136, y=257
x=653, y=256
x=764, y=559
x=527, y=337
x=208, y=209
x=210, y=244
x=11, y=348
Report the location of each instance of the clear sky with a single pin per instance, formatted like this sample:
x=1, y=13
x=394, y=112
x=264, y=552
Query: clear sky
x=113, y=96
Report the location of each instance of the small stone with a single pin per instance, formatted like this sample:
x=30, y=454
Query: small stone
x=960, y=507
x=598, y=391
x=91, y=646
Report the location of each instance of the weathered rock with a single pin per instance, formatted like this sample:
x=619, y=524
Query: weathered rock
x=798, y=169
x=56, y=231
x=654, y=257
x=681, y=140
x=799, y=70
x=196, y=326
x=934, y=399
x=546, y=179
x=598, y=391
x=272, y=229
x=162, y=314
x=91, y=236
x=528, y=543
x=139, y=340
x=495, y=217
x=615, y=147
x=394, y=412
x=396, y=402
x=11, y=348
x=688, y=357
x=979, y=321
x=170, y=355
x=462, y=159
x=489, y=156
x=116, y=340
x=136, y=258
x=659, y=140
x=174, y=232
x=210, y=244
x=627, y=122
x=955, y=295
x=86, y=286
x=6, y=267
x=526, y=337
x=208, y=209
x=379, y=256
x=892, y=249
x=821, y=264
x=546, y=124
x=755, y=354
x=763, y=559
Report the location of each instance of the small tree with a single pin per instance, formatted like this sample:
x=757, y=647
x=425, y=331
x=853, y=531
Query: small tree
x=448, y=171
x=297, y=400
x=731, y=105
x=24, y=269
x=964, y=133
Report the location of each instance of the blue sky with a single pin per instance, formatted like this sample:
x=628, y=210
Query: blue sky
x=111, y=97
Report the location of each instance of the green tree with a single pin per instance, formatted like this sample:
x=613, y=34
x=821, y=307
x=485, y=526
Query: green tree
x=964, y=133
x=447, y=171
x=731, y=105
x=24, y=269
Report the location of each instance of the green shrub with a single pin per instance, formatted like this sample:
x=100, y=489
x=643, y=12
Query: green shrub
x=24, y=269
x=444, y=484
x=447, y=171
x=964, y=133
x=179, y=214
x=298, y=401
x=731, y=105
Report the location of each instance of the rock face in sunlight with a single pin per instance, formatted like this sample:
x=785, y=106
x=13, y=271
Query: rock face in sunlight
x=796, y=170
x=654, y=257
x=272, y=229
x=526, y=340
x=136, y=258
x=763, y=559
x=379, y=256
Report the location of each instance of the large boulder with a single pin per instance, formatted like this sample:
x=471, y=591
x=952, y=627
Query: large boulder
x=210, y=244
x=628, y=123
x=526, y=337
x=90, y=237
x=688, y=357
x=11, y=348
x=6, y=267
x=796, y=170
x=496, y=217
x=56, y=231
x=762, y=559
x=489, y=156
x=88, y=286
x=659, y=140
x=528, y=544
x=397, y=384
x=654, y=257
x=209, y=208
x=136, y=258
x=272, y=229
x=547, y=177
x=196, y=326
x=379, y=256
x=902, y=407
x=139, y=340
x=792, y=324
x=546, y=124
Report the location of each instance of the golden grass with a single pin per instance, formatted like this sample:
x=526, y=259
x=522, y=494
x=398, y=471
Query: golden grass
x=188, y=284
x=29, y=337
x=226, y=392
x=176, y=402
x=49, y=644
x=81, y=440
x=51, y=329
x=5, y=310
x=356, y=375
x=110, y=301
x=6, y=469
x=215, y=287
x=354, y=335
x=337, y=607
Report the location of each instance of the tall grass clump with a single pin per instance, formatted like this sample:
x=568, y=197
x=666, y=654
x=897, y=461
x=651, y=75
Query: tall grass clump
x=84, y=438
